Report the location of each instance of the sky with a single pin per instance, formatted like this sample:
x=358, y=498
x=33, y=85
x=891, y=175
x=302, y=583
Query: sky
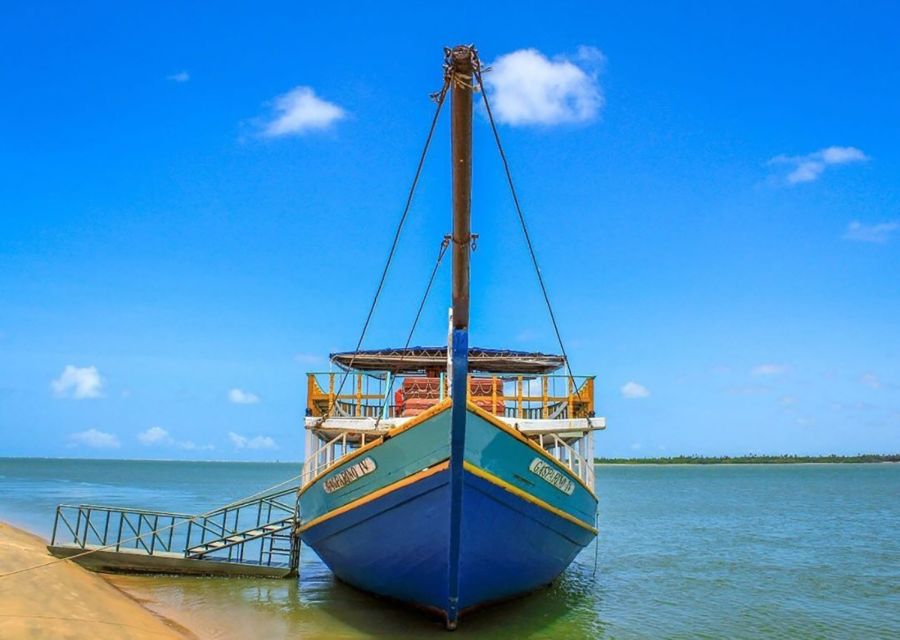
x=196, y=203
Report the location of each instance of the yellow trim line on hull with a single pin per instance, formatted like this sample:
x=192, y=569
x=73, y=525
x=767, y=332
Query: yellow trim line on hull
x=433, y=411
x=421, y=475
x=408, y=480
x=503, y=484
x=412, y=422
x=490, y=418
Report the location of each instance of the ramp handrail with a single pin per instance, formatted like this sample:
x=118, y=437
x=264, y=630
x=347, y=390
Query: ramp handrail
x=119, y=529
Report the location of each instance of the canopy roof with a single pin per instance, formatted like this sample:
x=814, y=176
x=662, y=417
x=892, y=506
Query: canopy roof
x=416, y=359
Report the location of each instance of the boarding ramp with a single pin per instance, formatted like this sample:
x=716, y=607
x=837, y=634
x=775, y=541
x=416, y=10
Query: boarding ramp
x=249, y=537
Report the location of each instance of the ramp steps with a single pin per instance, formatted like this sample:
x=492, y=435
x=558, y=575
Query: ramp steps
x=254, y=536
x=240, y=537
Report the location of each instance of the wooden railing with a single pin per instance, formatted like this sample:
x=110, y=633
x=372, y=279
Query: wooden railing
x=370, y=395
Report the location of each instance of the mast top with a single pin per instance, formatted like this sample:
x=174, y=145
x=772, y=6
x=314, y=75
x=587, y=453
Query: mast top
x=460, y=65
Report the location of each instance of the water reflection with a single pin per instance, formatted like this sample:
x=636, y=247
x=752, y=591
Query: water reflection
x=319, y=606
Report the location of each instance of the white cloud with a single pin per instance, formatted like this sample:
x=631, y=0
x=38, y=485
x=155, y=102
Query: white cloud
x=870, y=380
x=308, y=358
x=154, y=435
x=157, y=436
x=810, y=167
x=181, y=76
x=78, y=383
x=632, y=390
x=96, y=439
x=787, y=401
x=258, y=442
x=239, y=396
x=769, y=369
x=527, y=87
x=299, y=111
x=878, y=233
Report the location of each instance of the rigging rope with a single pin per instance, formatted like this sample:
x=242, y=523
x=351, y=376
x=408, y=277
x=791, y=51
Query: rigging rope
x=515, y=197
x=152, y=532
x=439, y=99
x=444, y=244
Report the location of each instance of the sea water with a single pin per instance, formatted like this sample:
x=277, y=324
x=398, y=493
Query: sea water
x=755, y=551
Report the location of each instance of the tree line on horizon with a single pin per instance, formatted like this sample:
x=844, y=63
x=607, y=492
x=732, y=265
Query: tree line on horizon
x=754, y=459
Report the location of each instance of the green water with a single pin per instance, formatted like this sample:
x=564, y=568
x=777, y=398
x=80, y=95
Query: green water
x=767, y=551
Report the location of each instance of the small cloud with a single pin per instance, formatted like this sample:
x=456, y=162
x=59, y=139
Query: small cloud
x=96, y=439
x=528, y=88
x=635, y=446
x=632, y=390
x=157, y=436
x=154, y=435
x=878, y=233
x=787, y=401
x=805, y=421
x=181, y=76
x=78, y=383
x=769, y=369
x=239, y=396
x=810, y=167
x=308, y=358
x=300, y=111
x=870, y=380
x=258, y=442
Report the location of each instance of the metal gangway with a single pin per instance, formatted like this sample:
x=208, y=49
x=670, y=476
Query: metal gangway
x=254, y=536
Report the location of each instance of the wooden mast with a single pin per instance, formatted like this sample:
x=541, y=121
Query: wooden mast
x=461, y=70
x=460, y=65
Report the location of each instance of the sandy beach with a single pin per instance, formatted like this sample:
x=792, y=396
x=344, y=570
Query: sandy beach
x=65, y=601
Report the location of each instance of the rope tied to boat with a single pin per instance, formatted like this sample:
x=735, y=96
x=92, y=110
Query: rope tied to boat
x=515, y=197
x=439, y=97
x=458, y=79
x=445, y=243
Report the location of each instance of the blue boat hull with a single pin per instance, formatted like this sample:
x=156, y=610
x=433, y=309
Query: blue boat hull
x=393, y=534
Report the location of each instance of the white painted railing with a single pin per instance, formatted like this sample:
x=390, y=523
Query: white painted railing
x=580, y=465
x=331, y=453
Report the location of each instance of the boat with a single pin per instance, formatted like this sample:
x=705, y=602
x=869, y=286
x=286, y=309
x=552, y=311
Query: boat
x=449, y=477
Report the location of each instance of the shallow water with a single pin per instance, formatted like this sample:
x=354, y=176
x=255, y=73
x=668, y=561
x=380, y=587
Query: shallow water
x=761, y=551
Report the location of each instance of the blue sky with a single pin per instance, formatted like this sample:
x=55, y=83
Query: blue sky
x=196, y=205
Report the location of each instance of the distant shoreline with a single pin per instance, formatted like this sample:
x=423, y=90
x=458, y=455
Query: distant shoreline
x=753, y=459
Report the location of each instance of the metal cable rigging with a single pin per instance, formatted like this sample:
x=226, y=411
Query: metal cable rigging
x=515, y=197
x=444, y=244
x=439, y=99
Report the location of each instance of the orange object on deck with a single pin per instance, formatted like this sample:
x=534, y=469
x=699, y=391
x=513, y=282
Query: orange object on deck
x=420, y=393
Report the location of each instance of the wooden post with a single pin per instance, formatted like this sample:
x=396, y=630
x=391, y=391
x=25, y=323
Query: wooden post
x=519, y=411
x=330, y=393
x=545, y=409
x=494, y=395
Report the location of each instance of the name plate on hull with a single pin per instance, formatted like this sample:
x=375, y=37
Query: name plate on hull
x=349, y=475
x=551, y=475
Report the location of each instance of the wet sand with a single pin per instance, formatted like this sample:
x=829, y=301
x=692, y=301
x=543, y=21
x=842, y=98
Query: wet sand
x=65, y=601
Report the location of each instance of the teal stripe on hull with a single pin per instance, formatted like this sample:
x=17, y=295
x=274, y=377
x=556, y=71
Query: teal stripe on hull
x=505, y=456
x=406, y=453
